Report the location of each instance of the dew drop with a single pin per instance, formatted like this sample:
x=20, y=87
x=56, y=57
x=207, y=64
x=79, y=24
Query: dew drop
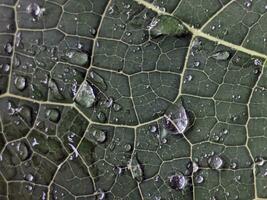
x=199, y=179
x=53, y=115
x=215, y=162
x=116, y=107
x=77, y=57
x=86, y=96
x=178, y=181
x=35, y=10
x=29, y=177
x=99, y=135
x=136, y=170
x=8, y=48
x=176, y=119
x=97, y=80
x=221, y=55
x=127, y=147
x=20, y=83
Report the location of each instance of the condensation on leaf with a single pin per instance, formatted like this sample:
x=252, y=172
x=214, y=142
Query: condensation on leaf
x=77, y=57
x=86, y=96
x=53, y=115
x=178, y=181
x=166, y=25
x=221, y=55
x=176, y=119
x=215, y=162
x=135, y=168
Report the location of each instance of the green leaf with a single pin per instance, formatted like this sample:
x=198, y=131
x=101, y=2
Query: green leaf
x=133, y=99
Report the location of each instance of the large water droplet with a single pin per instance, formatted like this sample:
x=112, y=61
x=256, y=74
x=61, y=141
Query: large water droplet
x=136, y=169
x=8, y=48
x=29, y=177
x=53, y=115
x=215, y=162
x=25, y=113
x=77, y=57
x=86, y=96
x=166, y=25
x=55, y=90
x=176, y=119
x=96, y=79
x=20, y=83
x=199, y=179
x=221, y=55
x=178, y=181
x=99, y=135
x=35, y=10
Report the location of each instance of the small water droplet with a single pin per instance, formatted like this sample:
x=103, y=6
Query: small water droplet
x=116, y=107
x=136, y=170
x=199, y=179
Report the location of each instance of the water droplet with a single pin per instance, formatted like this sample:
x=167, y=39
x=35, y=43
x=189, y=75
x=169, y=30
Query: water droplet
x=215, y=162
x=99, y=135
x=109, y=102
x=196, y=64
x=97, y=80
x=8, y=48
x=29, y=177
x=178, y=181
x=136, y=169
x=116, y=107
x=35, y=10
x=101, y=117
x=20, y=83
x=176, y=119
x=153, y=129
x=221, y=55
x=199, y=179
x=77, y=57
x=188, y=78
x=127, y=147
x=86, y=96
x=53, y=115
x=166, y=25
x=5, y=67
x=257, y=62
x=55, y=90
